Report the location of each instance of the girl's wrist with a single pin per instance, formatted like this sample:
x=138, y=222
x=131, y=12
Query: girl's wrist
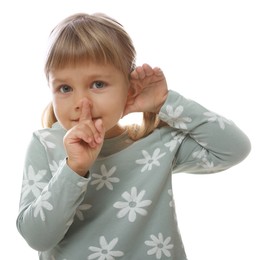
x=158, y=108
x=82, y=172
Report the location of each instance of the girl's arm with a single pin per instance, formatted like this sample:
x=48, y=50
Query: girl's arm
x=206, y=142
x=48, y=203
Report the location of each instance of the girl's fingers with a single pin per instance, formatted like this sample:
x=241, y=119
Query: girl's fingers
x=138, y=73
x=99, y=136
x=147, y=70
x=143, y=71
x=134, y=75
x=83, y=132
x=85, y=111
x=91, y=130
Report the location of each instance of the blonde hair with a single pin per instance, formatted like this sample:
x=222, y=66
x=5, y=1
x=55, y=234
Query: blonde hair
x=80, y=38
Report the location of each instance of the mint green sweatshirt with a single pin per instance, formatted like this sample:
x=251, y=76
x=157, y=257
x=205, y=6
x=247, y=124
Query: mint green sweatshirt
x=124, y=208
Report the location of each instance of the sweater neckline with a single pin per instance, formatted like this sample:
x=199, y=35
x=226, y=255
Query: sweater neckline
x=115, y=144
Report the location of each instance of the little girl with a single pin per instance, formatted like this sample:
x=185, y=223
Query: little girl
x=94, y=189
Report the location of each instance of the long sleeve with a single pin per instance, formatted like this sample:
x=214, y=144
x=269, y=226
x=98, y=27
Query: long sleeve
x=208, y=142
x=48, y=203
x=64, y=215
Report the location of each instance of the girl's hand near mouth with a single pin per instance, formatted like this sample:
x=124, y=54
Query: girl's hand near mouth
x=83, y=142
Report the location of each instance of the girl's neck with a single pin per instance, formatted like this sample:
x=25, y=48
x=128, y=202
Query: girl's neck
x=115, y=131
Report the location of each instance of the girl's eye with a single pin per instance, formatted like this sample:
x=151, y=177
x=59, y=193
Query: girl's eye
x=65, y=89
x=98, y=85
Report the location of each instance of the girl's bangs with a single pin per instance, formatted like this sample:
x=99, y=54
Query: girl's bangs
x=71, y=51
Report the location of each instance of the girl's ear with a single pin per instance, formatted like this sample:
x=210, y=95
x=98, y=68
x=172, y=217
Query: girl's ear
x=131, y=95
x=133, y=91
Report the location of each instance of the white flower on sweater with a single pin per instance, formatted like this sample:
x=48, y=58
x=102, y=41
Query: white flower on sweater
x=174, y=118
x=132, y=205
x=160, y=247
x=32, y=182
x=214, y=117
x=83, y=185
x=105, y=178
x=42, y=136
x=177, y=139
x=42, y=203
x=80, y=209
x=105, y=251
x=54, y=166
x=150, y=160
x=171, y=203
x=202, y=156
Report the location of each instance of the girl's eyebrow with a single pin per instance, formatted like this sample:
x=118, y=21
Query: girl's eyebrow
x=56, y=81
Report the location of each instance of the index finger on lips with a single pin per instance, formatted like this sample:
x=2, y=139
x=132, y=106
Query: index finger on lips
x=85, y=111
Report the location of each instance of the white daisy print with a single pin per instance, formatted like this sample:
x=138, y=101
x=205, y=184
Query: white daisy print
x=54, y=166
x=160, y=247
x=206, y=164
x=177, y=139
x=105, y=178
x=200, y=154
x=80, y=209
x=43, y=136
x=41, y=204
x=150, y=160
x=105, y=251
x=214, y=117
x=174, y=118
x=32, y=182
x=203, y=160
x=171, y=203
x=132, y=205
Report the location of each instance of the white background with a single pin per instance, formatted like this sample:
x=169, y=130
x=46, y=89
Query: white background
x=216, y=52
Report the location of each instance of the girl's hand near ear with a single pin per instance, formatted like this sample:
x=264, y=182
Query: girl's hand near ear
x=148, y=90
x=84, y=141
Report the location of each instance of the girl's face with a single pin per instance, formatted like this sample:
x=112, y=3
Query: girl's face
x=104, y=86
